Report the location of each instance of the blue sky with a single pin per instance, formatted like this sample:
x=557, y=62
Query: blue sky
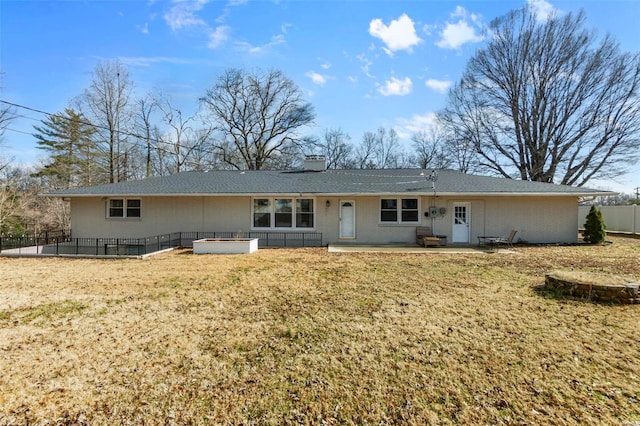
x=362, y=64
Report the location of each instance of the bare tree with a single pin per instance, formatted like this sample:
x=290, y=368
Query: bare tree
x=462, y=153
x=8, y=202
x=546, y=101
x=430, y=148
x=388, y=150
x=256, y=117
x=366, y=151
x=107, y=105
x=202, y=157
x=7, y=114
x=179, y=140
x=143, y=126
x=335, y=147
x=379, y=150
x=23, y=208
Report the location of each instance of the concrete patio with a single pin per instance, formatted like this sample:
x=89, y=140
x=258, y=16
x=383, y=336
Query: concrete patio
x=407, y=248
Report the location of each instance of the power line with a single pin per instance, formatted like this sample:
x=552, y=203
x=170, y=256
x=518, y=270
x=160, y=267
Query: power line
x=18, y=131
x=155, y=141
x=86, y=123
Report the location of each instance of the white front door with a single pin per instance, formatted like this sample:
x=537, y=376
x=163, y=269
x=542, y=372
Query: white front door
x=461, y=222
x=347, y=219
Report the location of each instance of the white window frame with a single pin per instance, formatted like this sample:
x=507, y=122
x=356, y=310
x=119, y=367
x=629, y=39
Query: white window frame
x=125, y=208
x=399, y=211
x=294, y=213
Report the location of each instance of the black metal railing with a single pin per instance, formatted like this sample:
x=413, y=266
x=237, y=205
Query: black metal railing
x=62, y=244
x=114, y=246
x=14, y=241
x=265, y=238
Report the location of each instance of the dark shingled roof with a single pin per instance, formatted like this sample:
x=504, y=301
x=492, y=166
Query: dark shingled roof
x=327, y=182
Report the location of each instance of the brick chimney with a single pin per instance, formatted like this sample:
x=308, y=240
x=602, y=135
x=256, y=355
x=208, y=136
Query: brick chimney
x=315, y=163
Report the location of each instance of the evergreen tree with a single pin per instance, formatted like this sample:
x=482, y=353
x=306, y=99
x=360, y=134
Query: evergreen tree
x=68, y=138
x=594, y=228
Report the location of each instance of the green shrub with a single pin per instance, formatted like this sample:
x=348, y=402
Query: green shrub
x=594, y=228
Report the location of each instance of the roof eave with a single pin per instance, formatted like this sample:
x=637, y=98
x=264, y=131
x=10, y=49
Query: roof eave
x=343, y=194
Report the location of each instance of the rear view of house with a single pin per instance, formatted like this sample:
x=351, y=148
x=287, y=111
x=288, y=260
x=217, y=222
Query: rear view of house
x=343, y=206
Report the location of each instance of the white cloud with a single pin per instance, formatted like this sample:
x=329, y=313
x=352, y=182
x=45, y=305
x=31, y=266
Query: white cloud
x=317, y=78
x=146, y=61
x=542, y=9
x=247, y=47
x=365, y=64
x=218, y=36
x=440, y=86
x=399, y=35
x=183, y=14
x=417, y=123
x=325, y=65
x=456, y=34
x=460, y=12
x=226, y=11
x=428, y=29
x=396, y=86
x=144, y=29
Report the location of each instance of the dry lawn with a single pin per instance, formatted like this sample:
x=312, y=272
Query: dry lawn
x=307, y=337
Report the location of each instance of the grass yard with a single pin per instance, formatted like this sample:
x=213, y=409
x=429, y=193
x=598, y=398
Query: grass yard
x=302, y=336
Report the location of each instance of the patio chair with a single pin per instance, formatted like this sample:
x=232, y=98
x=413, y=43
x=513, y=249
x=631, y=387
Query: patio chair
x=425, y=237
x=498, y=241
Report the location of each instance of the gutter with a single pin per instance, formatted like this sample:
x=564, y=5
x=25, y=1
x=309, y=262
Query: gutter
x=587, y=196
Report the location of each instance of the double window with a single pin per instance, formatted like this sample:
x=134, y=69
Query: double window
x=283, y=213
x=399, y=210
x=124, y=208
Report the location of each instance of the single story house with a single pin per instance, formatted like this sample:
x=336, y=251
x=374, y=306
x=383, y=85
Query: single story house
x=344, y=206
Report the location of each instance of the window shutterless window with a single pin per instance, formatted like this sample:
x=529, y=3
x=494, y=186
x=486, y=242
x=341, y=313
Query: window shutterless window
x=133, y=208
x=261, y=213
x=410, y=211
x=124, y=208
x=399, y=210
x=283, y=213
x=388, y=210
x=116, y=208
x=304, y=213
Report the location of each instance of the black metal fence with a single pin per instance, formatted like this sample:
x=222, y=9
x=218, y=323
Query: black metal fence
x=62, y=244
x=9, y=242
x=265, y=238
x=113, y=246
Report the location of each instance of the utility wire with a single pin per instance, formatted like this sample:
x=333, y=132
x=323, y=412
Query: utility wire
x=18, y=131
x=86, y=123
x=156, y=141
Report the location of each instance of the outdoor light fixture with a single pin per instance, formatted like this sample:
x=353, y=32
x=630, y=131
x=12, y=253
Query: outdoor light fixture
x=328, y=203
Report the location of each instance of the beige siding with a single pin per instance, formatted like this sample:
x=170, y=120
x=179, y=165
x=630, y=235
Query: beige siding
x=162, y=215
x=368, y=227
x=537, y=219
